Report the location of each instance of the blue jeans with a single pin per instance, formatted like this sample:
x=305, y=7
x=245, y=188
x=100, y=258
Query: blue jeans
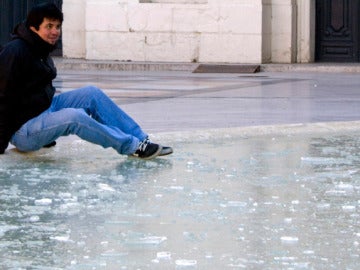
x=86, y=112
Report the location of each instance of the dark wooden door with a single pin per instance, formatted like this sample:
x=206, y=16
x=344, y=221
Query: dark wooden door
x=12, y=12
x=337, y=30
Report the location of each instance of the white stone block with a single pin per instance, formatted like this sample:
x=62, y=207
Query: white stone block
x=231, y=48
x=240, y=2
x=306, y=31
x=195, y=19
x=115, y=46
x=141, y=47
x=106, y=16
x=73, y=29
x=147, y=18
x=283, y=31
x=282, y=16
x=179, y=1
x=240, y=19
x=173, y=47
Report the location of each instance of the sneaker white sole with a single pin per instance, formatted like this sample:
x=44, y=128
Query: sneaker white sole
x=154, y=155
x=166, y=150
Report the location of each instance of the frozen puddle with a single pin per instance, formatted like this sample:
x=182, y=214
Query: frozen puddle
x=228, y=201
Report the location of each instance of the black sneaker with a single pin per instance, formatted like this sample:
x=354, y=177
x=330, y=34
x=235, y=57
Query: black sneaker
x=166, y=150
x=147, y=150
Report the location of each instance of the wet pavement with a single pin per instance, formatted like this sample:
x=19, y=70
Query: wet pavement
x=265, y=175
x=180, y=101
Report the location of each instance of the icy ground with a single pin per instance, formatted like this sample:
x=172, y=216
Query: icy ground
x=226, y=202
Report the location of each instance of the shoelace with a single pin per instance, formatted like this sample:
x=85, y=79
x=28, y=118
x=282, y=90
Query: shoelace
x=144, y=144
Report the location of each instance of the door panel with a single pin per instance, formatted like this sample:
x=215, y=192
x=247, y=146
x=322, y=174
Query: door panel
x=337, y=30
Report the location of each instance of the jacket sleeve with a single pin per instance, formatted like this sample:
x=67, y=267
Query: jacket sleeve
x=4, y=125
x=9, y=79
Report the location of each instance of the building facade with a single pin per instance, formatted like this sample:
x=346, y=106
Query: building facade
x=225, y=31
x=207, y=31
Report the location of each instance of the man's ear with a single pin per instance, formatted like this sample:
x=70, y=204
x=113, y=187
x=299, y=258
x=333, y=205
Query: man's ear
x=32, y=28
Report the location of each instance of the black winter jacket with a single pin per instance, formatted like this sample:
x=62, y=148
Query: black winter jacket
x=26, y=74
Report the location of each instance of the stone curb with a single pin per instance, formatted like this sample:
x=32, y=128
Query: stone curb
x=89, y=65
x=64, y=64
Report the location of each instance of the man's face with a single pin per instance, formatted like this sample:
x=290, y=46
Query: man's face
x=49, y=30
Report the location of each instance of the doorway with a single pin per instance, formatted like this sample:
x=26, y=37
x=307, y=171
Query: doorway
x=337, y=31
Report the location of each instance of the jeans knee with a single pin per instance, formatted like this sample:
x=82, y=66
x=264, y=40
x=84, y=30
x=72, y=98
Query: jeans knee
x=73, y=119
x=94, y=91
x=73, y=115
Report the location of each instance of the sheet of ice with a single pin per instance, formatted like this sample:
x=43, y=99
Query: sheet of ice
x=234, y=202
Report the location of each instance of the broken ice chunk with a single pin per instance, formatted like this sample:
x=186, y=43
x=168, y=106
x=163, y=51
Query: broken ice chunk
x=44, y=201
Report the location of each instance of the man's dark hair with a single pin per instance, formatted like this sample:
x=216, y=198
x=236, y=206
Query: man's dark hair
x=37, y=14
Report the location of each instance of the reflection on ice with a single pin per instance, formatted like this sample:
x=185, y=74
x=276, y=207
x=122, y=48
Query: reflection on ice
x=265, y=202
